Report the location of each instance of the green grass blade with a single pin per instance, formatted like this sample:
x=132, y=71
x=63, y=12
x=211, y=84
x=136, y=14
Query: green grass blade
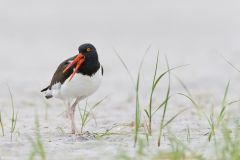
x=167, y=71
x=151, y=98
x=191, y=99
x=146, y=113
x=138, y=107
x=184, y=86
x=137, y=111
x=1, y=124
x=99, y=102
x=233, y=102
x=223, y=104
x=165, y=106
x=195, y=104
x=15, y=121
x=161, y=105
x=212, y=127
x=126, y=67
x=174, y=117
x=232, y=65
x=14, y=117
x=188, y=134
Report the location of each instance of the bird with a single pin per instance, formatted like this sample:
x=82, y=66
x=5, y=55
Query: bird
x=75, y=79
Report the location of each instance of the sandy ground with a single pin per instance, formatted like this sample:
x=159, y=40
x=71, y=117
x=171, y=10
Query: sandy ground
x=117, y=110
x=38, y=36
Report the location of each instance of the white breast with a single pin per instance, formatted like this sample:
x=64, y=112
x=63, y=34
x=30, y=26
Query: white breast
x=80, y=86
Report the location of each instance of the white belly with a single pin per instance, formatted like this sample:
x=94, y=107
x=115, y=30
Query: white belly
x=80, y=86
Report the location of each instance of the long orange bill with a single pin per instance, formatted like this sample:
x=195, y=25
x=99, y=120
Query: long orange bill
x=78, y=60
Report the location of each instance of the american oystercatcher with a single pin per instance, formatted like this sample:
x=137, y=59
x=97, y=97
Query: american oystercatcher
x=75, y=79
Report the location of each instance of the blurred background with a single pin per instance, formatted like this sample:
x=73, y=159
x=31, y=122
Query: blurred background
x=37, y=35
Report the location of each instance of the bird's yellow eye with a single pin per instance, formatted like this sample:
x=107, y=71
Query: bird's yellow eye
x=88, y=49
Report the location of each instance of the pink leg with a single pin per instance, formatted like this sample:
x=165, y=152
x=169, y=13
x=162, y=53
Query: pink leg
x=71, y=115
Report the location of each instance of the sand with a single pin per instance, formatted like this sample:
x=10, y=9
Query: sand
x=36, y=37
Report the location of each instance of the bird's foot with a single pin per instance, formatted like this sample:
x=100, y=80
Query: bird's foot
x=83, y=134
x=74, y=131
x=87, y=135
x=77, y=132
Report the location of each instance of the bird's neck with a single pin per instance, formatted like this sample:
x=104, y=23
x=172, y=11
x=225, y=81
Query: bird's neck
x=89, y=68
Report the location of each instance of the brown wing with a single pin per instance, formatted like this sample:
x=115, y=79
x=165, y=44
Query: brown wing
x=59, y=76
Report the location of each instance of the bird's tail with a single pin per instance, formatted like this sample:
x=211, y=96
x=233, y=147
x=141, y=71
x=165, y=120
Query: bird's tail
x=45, y=89
x=48, y=95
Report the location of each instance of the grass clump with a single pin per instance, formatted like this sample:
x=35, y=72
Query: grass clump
x=156, y=81
x=229, y=147
x=214, y=122
x=86, y=114
x=151, y=110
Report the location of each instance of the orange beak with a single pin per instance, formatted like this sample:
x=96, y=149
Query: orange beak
x=78, y=60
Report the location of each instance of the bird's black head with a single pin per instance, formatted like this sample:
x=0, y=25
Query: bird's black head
x=86, y=62
x=89, y=51
x=86, y=47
